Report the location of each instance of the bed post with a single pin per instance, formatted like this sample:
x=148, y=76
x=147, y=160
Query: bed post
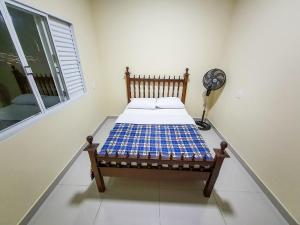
x=221, y=154
x=92, y=150
x=185, y=81
x=127, y=76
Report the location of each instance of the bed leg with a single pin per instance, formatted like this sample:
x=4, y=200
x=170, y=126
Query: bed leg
x=92, y=150
x=218, y=161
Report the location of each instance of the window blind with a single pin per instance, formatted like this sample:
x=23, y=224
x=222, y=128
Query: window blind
x=64, y=42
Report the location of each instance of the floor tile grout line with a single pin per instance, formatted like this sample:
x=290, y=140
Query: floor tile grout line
x=264, y=190
x=219, y=208
x=161, y=188
x=98, y=211
x=76, y=185
x=103, y=198
x=240, y=191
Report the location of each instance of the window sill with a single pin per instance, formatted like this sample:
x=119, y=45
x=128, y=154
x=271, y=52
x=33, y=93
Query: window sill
x=15, y=129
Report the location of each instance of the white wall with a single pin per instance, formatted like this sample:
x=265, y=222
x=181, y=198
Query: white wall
x=31, y=159
x=262, y=64
x=159, y=37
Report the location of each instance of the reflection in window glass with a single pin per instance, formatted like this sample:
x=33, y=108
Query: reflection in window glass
x=32, y=36
x=16, y=99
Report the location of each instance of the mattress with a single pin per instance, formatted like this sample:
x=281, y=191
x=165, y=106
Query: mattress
x=155, y=116
x=159, y=133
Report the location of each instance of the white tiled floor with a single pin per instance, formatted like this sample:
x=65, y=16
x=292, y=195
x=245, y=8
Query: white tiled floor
x=237, y=200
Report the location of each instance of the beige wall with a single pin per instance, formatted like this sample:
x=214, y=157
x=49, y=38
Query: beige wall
x=31, y=159
x=258, y=48
x=258, y=111
x=159, y=37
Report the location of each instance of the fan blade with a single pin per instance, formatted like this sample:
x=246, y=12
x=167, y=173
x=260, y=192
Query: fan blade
x=214, y=79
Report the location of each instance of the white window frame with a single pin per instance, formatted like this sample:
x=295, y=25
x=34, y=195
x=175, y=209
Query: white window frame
x=15, y=128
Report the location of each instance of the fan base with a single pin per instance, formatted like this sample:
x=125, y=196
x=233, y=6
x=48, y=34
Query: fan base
x=203, y=125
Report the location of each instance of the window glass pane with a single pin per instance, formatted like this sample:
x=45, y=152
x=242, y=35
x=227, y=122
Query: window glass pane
x=32, y=36
x=16, y=99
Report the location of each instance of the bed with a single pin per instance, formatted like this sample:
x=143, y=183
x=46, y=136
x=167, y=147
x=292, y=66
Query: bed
x=162, y=142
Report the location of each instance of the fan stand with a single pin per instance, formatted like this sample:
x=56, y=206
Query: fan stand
x=202, y=125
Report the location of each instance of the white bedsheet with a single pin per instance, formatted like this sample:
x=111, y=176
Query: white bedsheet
x=155, y=116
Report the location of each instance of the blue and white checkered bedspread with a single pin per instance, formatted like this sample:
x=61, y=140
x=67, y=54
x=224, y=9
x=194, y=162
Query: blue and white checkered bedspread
x=131, y=139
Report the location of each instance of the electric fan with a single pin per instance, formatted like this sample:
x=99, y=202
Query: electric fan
x=212, y=80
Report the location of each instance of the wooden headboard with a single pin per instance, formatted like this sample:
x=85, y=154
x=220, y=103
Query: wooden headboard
x=152, y=87
x=4, y=95
x=45, y=83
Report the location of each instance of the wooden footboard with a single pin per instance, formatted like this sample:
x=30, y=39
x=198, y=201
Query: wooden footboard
x=207, y=170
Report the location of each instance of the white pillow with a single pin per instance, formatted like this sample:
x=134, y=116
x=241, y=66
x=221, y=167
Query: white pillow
x=25, y=99
x=142, y=103
x=169, y=103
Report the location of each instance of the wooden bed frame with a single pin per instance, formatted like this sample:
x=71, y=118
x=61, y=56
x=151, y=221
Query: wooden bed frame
x=207, y=170
x=44, y=82
x=161, y=87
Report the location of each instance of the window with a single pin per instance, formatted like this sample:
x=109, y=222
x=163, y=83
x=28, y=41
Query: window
x=39, y=63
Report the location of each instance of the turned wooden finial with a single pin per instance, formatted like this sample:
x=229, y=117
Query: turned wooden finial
x=159, y=157
x=186, y=75
x=182, y=156
x=128, y=83
x=91, y=147
x=193, y=157
x=90, y=139
x=223, y=146
x=171, y=156
x=127, y=73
